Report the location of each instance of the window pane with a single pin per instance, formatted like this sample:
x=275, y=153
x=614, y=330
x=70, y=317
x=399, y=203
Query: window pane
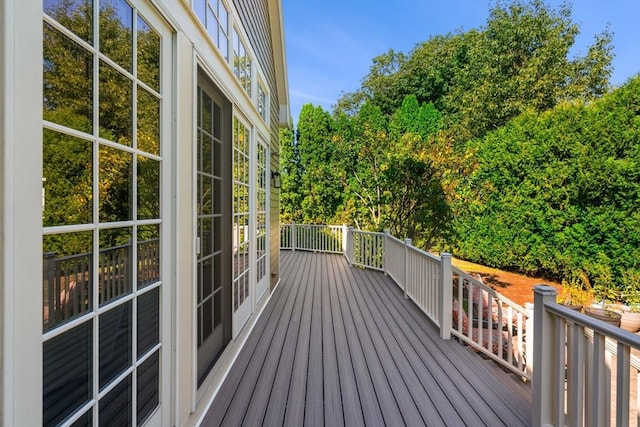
x=199, y=6
x=148, y=55
x=116, y=28
x=148, y=255
x=148, y=188
x=115, y=407
x=85, y=420
x=115, y=342
x=148, y=135
x=67, y=276
x=67, y=179
x=148, y=387
x=68, y=82
x=76, y=15
x=116, y=98
x=148, y=321
x=115, y=184
x=67, y=371
x=115, y=264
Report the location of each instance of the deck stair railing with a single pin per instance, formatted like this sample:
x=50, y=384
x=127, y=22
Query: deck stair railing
x=428, y=280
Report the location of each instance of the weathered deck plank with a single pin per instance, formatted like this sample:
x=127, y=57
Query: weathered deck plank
x=341, y=346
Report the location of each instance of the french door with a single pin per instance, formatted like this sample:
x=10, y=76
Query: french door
x=262, y=220
x=212, y=276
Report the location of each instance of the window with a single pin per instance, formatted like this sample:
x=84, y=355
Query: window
x=241, y=62
x=214, y=15
x=241, y=178
x=263, y=105
x=101, y=213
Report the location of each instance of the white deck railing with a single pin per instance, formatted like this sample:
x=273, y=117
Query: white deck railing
x=569, y=361
x=427, y=280
x=573, y=367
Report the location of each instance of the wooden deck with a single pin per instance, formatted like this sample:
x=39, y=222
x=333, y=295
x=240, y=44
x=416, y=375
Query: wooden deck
x=341, y=346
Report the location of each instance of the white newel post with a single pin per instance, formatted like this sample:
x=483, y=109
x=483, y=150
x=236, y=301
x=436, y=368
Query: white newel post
x=407, y=243
x=543, y=355
x=345, y=241
x=293, y=237
x=445, y=303
x=384, y=255
x=350, y=246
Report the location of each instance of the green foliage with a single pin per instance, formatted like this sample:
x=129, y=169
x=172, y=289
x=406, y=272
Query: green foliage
x=557, y=192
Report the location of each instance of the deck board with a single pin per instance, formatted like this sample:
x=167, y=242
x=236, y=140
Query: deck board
x=338, y=345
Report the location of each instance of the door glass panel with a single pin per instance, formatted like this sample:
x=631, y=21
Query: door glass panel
x=241, y=212
x=115, y=184
x=67, y=372
x=115, y=264
x=148, y=255
x=115, y=407
x=67, y=277
x=211, y=335
x=116, y=105
x=65, y=61
x=115, y=342
x=148, y=388
x=148, y=321
x=102, y=181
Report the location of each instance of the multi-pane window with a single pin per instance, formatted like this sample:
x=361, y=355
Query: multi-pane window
x=241, y=178
x=241, y=62
x=261, y=211
x=101, y=213
x=262, y=102
x=215, y=17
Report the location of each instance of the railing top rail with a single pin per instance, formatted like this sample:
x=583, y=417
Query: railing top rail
x=395, y=239
x=487, y=288
x=424, y=253
x=620, y=335
x=373, y=233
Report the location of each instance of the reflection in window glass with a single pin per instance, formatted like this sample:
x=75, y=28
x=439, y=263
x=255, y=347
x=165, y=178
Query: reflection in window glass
x=67, y=367
x=214, y=16
x=115, y=342
x=240, y=213
x=67, y=276
x=148, y=55
x=68, y=82
x=75, y=15
x=148, y=135
x=148, y=387
x=116, y=32
x=116, y=406
x=115, y=179
x=148, y=321
x=148, y=255
x=67, y=179
x=116, y=100
x=115, y=264
x=148, y=188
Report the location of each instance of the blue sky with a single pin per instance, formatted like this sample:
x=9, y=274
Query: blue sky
x=330, y=43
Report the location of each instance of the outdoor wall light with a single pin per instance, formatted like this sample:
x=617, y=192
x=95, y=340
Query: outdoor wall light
x=275, y=179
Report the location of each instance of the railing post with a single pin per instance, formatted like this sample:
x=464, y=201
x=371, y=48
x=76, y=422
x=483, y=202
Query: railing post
x=407, y=243
x=543, y=356
x=445, y=304
x=345, y=231
x=384, y=251
x=293, y=237
x=350, y=246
